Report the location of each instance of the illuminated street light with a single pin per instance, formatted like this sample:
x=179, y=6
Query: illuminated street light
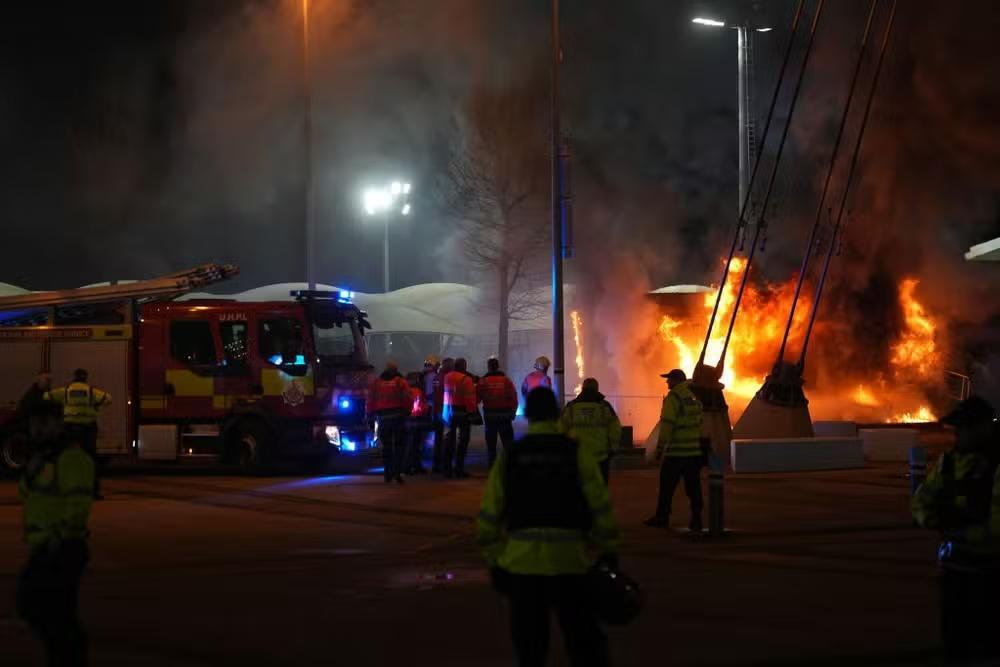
x=386, y=201
x=748, y=148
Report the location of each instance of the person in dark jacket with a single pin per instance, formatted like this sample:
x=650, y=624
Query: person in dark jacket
x=34, y=397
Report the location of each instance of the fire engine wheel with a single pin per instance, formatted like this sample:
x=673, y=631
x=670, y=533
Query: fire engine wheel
x=14, y=451
x=252, y=444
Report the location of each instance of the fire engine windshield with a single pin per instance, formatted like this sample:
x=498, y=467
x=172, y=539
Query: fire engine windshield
x=340, y=343
x=337, y=335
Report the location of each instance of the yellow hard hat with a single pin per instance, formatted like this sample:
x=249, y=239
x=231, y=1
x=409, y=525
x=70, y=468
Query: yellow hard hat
x=542, y=363
x=432, y=360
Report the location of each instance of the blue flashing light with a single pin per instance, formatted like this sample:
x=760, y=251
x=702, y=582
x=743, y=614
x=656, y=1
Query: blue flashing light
x=345, y=296
x=345, y=404
x=276, y=359
x=300, y=360
x=348, y=445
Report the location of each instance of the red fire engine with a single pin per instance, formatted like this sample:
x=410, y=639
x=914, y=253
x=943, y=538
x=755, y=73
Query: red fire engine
x=241, y=382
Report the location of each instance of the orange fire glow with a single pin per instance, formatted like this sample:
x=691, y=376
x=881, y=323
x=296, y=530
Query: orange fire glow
x=863, y=396
x=756, y=334
x=578, y=340
x=921, y=415
x=915, y=353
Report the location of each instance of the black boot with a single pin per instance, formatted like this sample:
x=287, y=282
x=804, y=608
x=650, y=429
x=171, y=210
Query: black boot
x=695, y=525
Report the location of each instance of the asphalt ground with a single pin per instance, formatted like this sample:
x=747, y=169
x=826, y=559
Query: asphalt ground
x=195, y=567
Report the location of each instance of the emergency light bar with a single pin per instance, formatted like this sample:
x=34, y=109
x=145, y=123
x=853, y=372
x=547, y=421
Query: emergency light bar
x=340, y=296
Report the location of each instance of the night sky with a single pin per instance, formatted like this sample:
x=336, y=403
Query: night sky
x=142, y=137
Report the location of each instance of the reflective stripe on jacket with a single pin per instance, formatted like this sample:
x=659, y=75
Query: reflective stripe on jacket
x=80, y=402
x=961, y=498
x=591, y=421
x=680, y=423
x=541, y=550
x=498, y=395
x=58, y=497
x=533, y=380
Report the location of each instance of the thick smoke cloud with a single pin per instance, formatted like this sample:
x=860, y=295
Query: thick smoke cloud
x=927, y=185
x=171, y=136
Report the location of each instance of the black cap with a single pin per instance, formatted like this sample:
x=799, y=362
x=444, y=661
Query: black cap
x=973, y=410
x=676, y=374
x=541, y=405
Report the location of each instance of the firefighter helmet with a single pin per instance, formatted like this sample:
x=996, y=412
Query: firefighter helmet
x=432, y=360
x=542, y=364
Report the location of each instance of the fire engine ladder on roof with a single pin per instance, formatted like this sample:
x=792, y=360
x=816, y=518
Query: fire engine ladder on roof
x=141, y=290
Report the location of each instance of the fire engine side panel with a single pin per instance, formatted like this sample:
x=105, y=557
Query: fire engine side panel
x=107, y=363
x=20, y=361
x=152, y=376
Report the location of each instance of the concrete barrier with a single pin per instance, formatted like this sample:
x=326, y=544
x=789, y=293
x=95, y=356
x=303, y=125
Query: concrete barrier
x=796, y=454
x=889, y=444
x=835, y=429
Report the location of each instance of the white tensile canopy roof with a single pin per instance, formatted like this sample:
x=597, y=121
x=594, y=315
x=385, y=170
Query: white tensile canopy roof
x=7, y=289
x=439, y=308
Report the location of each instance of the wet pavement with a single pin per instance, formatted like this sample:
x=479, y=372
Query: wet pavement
x=211, y=569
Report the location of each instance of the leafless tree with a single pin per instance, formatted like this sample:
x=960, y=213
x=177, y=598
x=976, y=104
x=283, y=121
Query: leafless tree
x=497, y=189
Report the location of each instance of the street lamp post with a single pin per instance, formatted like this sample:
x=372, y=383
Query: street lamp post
x=384, y=201
x=747, y=120
x=310, y=224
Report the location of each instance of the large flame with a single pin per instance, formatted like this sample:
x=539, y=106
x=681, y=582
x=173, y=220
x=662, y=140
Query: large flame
x=756, y=337
x=915, y=353
x=578, y=340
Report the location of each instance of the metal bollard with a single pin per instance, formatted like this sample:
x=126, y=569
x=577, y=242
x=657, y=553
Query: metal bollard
x=716, y=496
x=918, y=467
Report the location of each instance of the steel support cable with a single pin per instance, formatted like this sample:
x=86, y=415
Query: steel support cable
x=807, y=254
x=847, y=186
x=762, y=223
x=753, y=176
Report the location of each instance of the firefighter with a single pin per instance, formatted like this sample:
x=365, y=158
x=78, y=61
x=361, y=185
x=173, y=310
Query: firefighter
x=57, y=488
x=459, y=404
x=961, y=499
x=545, y=513
x=591, y=421
x=538, y=377
x=434, y=395
x=499, y=398
x=81, y=404
x=418, y=425
x=390, y=406
x=679, y=445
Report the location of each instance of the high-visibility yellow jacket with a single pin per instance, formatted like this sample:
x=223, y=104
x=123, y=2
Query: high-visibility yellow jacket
x=57, y=498
x=541, y=550
x=80, y=402
x=592, y=422
x=961, y=499
x=680, y=423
